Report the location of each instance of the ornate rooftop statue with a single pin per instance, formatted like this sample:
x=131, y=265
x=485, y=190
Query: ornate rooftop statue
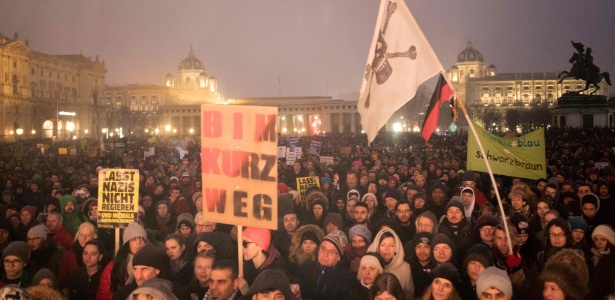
x=583, y=67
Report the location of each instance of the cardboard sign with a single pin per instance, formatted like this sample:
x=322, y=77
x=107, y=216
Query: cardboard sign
x=328, y=160
x=239, y=165
x=303, y=183
x=291, y=157
x=62, y=151
x=118, y=197
x=298, y=152
x=281, y=151
x=150, y=152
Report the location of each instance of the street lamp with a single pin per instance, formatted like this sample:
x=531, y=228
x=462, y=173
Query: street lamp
x=167, y=128
x=19, y=131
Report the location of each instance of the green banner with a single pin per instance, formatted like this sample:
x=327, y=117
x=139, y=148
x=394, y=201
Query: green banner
x=522, y=157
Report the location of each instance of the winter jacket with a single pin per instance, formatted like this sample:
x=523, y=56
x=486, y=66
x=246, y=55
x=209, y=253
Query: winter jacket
x=80, y=285
x=324, y=283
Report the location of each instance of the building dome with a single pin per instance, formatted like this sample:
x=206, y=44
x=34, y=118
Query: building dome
x=469, y=54
x=191, y=63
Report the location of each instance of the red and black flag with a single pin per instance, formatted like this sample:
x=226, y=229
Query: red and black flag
x=442, y=93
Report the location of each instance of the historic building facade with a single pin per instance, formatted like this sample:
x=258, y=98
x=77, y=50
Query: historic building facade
x=43, y=95
x=488, y=94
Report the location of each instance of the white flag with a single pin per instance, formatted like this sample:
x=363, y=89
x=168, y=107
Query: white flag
x=400, y=59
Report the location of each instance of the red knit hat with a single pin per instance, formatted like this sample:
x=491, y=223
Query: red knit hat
x=261, y=237
x=30, y=209
x=282, y=188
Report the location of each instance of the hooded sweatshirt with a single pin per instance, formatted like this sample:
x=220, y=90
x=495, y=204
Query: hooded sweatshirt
x=71, y=221
x=397, y=266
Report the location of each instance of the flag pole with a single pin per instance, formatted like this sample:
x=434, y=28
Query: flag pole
x=482, y=150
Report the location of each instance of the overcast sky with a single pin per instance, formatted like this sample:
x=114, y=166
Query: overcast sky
x=315, y=47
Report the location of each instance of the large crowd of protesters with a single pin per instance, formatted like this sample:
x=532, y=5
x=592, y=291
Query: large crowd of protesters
x=400, y=218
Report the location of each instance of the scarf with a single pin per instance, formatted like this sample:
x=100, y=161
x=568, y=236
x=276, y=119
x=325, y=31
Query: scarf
x=597, y=255
x=177, y=265
x=354, y=256
x=161, y=222
x=209, y=297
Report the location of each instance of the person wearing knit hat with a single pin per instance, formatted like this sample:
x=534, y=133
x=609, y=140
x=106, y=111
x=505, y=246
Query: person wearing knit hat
x=185, y=224
x=337, y=241
x=561, y=281
x=492, y=283
x=579, y=228
x=156, y=288
x=443, y=249
x=272, y=283
x=132, y=231
x=444, y=275
x=15, y=257
x=359, y=239
x=46, y=278
x=258, y=255
x=457, y=227
x=603, y=260
x=333, y=221
x=478, y=258
x=369, y=268
x=485, y=226
x=360, y=231
x=419, y=255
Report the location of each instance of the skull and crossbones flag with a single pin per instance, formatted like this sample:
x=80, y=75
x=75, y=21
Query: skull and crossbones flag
x=399, y=61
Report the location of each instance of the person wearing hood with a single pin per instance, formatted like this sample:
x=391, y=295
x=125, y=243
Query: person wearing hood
x=326, y=278
x=165, y=221
x=426, y=222
x=593, y=215
x=156, y=288
x=471, y=210
x=445, y=285
x=438, y=196
x=270, y=283
x=388, y=245
x=304, y=246
x=70, y=215
x=420, y=257
x=258, y=253
x=552, y=189
x=316, y=204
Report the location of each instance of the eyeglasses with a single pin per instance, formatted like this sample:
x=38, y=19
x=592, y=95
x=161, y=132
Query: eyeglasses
x=12, y=263
x=557, y=236
x=487, y=228
x=324, y=249
x=405, y=211
x=246, y=243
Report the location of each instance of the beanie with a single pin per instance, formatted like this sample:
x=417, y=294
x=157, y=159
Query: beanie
x=383, y=176
x=271, y=280
x=19, y=249
x=39, y=231
x=442, y=238
x=285, y=204
x=495, y=278
x=261, y=237
x=132, y=231
x=393, y=193
x=185, y=218
x=338, y=239
x=309, y=235
x=520, y=222
x=369, y=259
x=282, y=188
x=360, y=230
x=45, y=273
x=334, y=218
x=326, y=180
x=352, y=192
x=30, y=209
x=455, y=203
x=195, y=196
x=606, y=231
x=156, y=287
x=591, y=198
x=487, y=220
x=448, y=272
x=468, y=176
x=370, y=195
x=479, y=253
x=150, y=255
x=578, y=223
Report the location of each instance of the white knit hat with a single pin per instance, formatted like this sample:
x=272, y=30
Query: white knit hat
x=605, y=231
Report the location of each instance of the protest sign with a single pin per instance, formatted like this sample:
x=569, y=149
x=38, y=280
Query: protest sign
x=327, y=160
x=150, y=152
x=345, y=150
x=601, y=165
x=291, y=157
x=303, y=183
x=294, y=142
x=118, y=197
x=315, y=147
x=239, y=167
x=281, y=151
x=298, y=152
x=62, y=151
x=522, y=157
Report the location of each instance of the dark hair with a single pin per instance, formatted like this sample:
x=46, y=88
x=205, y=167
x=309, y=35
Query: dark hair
x=361, y=204
x=100, y=246
x=386, y=282
x=403, y=201
x=119, y=273
x=226, y=264
x=181, y=241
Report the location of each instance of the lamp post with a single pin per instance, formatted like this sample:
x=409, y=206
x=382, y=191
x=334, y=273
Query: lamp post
x=19, y=132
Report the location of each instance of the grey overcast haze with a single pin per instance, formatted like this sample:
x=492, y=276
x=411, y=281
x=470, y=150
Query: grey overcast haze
x=291, y=48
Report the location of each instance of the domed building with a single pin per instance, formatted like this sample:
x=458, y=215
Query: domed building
x=488, y=94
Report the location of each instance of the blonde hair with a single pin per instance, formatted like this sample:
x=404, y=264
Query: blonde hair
x=89, y=226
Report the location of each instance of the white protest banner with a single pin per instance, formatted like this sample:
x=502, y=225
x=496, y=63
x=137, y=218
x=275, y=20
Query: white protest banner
x=328, y=160
x=291, y=157
x=281, y=151
x=298, y=152
x=118, y=197
x=239, y=167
